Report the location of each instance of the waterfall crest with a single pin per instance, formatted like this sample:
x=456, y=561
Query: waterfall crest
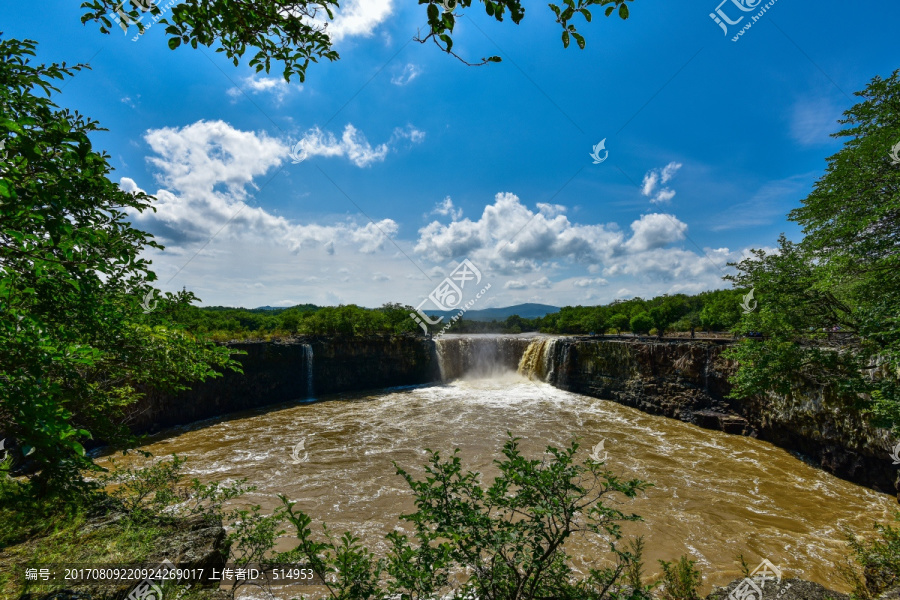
x=479, y=357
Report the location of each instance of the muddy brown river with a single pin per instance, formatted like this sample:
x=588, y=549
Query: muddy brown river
x=714, y=496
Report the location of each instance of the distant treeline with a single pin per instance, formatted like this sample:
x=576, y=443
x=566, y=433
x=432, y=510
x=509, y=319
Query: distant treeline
x=717, y=311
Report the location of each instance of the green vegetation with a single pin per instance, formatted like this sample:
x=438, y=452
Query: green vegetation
x=75, y=345
x=875, y=564
x=292, y=32
x=124, y=517
x=829, y=305
x=717, y=310
x=681, y=580
x=225, y=324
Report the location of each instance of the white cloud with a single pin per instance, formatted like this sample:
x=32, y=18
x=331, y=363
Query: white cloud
x=255, y=85
x=656, y=177
x=509, y=236
x=584, y=283
x=542, y=283
x=515, y=284
x=655, y=231
x=409, y=72
x=353, y=144
x=196, y=158
x=447, y=209
x=358, y=18
x=207, y=168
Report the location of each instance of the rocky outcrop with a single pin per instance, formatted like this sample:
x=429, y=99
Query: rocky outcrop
x=689, y=381
x=788, y=589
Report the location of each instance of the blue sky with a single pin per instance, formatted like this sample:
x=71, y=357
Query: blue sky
x=414, y=161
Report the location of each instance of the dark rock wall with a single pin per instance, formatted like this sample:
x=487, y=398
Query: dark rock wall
x=278, y=372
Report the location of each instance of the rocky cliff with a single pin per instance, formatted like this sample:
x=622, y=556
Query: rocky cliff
x=689, y=381
x=276, y=372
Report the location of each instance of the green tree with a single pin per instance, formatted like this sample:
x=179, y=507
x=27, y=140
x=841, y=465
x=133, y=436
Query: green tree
x=721, y=311
x=294, y=33
x=75, y=344
x=641, y=323
x=844, y=275
x=619, y=322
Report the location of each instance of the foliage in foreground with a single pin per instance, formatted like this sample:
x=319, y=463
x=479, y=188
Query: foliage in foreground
x=75, y=344
x=504, y=541
x=295, y=33
x=123, y=517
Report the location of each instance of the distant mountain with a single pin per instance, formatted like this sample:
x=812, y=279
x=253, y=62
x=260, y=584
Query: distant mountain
x=526, y=311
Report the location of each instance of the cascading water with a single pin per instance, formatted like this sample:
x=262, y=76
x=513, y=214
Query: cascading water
x=537, y=360
x=479, y=357
x=308, y=357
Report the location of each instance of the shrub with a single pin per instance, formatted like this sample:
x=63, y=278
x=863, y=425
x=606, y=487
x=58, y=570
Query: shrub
x=500, y=542
x=874, y=565
x=680, y=579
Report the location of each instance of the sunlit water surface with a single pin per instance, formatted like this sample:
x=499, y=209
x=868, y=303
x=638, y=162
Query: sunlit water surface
x=714, y=495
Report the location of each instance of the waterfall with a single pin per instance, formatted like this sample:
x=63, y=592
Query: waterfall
x=537, y=361
x=308, y=357
x=479, y=356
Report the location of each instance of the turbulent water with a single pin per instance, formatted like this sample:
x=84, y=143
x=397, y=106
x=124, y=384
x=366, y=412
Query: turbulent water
x=715, y=495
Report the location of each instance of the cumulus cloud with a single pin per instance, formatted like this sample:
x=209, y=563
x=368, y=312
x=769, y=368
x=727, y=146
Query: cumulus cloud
x=409, y=72
x=510, y=235
x=207, y=168
x=353, y=144
x=276, y=86
x=510, y=240
x=655, y=231
x=654, y=178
